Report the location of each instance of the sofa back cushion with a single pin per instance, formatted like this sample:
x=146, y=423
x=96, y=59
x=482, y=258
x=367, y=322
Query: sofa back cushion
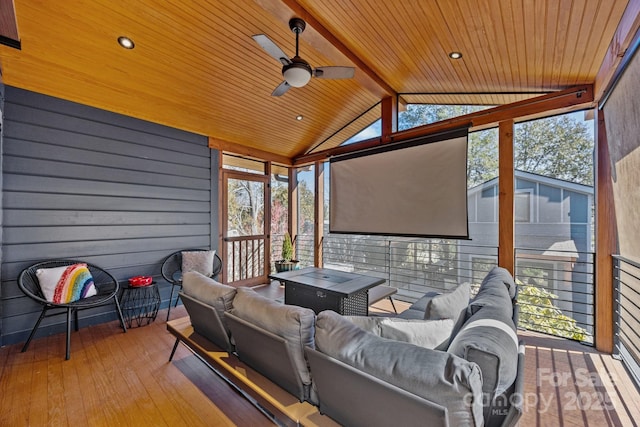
x=497, y=290
x=489, y=339
x=294, y=324
x=209, y=292
x=437, y=376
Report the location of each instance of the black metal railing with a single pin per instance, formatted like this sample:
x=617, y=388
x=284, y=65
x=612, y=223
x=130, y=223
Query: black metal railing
x=556, y=287
x=303, y=249
x=556, y=292
x=413, y=266
x=626, y=281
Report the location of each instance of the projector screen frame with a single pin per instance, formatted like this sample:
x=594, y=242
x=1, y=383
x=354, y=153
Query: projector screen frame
x=456, y=133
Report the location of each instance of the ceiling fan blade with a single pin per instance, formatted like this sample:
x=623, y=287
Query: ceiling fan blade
x=271, y=48
x=281, y=89
x=334, y=72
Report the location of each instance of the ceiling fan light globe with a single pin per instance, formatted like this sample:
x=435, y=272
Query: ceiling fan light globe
x=297, y=74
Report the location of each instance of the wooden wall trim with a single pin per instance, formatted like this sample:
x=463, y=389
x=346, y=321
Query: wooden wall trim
x=506, y=188
x=606, y=238
x=318, y=232
x=250, y=152
x=9, y=24
x=292, y=217
x=389, y=117
x=267, y=222
x=222, y=215
x=572, y=98
x=628, y=28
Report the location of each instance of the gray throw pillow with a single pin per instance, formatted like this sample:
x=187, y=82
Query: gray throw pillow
x=200, y=261
x=452, y=305
x=433, y=334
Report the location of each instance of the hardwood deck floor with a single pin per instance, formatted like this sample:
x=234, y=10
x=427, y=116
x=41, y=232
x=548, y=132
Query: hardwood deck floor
x=126, y=380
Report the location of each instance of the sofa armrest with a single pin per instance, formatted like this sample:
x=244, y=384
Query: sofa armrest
x=517, y=403
x=355, y=398
x=516, y=313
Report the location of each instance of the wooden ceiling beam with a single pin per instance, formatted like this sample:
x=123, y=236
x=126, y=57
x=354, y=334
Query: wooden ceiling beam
x=572, y=98
x=318, y=34
x=622, y=39
x=250, y=152
x=9, y=25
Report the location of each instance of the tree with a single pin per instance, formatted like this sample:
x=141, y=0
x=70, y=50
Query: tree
x=559, y=147
x=422, y=114
x=245, y=206
x=306, y=207
x=279, y=207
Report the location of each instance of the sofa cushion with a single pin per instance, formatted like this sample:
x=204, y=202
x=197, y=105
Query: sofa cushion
x=294, y=324
x=496, y=291
x=502, y=275
x=437, y=376
x=451, y=305
x=489, y=339
x=208, y=291
x=423, y=333
x=421, y=304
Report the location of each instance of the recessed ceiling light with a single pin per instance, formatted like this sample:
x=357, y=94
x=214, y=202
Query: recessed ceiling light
x=126, y=42
x=299, y=117
x=455, y=55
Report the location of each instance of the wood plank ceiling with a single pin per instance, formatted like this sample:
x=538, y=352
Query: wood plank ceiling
x=196, y=67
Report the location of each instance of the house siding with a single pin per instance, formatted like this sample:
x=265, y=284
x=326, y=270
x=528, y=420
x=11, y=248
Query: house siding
x=84, y=183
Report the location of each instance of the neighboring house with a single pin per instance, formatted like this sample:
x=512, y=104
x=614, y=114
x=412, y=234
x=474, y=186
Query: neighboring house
x=548, y=211
x=554, y=236
x=554, y=246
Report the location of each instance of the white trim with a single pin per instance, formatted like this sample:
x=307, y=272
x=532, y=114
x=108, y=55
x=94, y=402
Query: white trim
x=493, y=323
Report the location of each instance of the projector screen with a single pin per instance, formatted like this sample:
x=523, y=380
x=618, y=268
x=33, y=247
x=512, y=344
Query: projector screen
x=414, y=188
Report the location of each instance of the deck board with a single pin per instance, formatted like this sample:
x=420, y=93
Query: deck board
x=127, y=379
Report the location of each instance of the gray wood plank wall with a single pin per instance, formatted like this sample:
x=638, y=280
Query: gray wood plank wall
x=84, y=183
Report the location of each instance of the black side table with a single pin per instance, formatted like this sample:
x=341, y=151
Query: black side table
x=140, y=304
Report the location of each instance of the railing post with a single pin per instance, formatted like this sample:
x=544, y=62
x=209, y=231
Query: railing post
x=616, y=306
x=388, y=262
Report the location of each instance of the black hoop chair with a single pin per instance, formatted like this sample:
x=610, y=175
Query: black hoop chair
x=107, y=288
x=172, y=272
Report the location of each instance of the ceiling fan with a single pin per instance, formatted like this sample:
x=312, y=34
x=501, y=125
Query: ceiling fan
x=296, y=71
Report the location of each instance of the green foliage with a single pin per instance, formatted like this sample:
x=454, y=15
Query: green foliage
x=559, y=146
x=538, y=313
x=287, y=248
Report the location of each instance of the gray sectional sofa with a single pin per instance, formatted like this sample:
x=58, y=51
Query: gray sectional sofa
x=450, y=360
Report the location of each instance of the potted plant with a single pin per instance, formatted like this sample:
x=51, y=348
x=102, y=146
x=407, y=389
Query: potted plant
x=287, y=262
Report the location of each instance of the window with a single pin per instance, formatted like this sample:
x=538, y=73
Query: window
x=523, y=206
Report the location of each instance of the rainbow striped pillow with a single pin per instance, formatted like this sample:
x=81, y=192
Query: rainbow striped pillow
x=66, y=284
